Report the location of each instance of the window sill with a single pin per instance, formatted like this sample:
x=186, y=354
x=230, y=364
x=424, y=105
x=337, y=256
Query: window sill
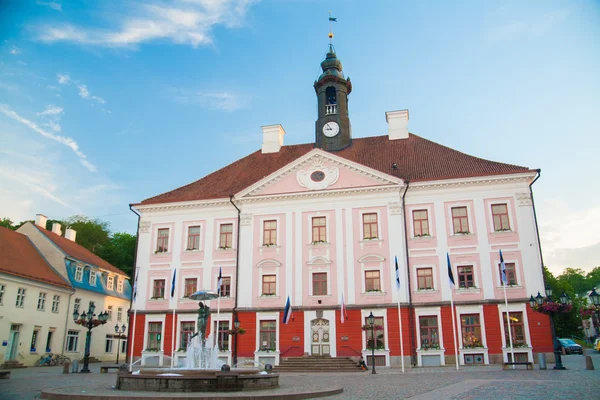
x=422, y=237
x=431, y=351
x=467, y=290
x=317, y=244
x=501, y=232
x=227, y=249
x=162, y=253
x=426, y=291
x=510, y=287
x=272, y=246
x=263, y=352
x=373, y=293
x=192, y=250
x=321, y=296
x=463, y=234
x=263, y=297
x=157, y=299
x=374, y=240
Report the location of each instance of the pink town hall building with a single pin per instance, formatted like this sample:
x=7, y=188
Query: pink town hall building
x=319, y=221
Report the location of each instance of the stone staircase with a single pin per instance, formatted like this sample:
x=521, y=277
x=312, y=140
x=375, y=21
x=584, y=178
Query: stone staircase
x=317, y=364
x=12, y=365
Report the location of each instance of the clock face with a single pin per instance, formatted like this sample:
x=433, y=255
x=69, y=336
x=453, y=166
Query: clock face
x=331, y=129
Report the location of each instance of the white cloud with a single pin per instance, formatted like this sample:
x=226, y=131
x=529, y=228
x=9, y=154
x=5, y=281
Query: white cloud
x=84, y=93
x=535, y=25
x=15, y=51
x=52, y=110
x=52, y=4
x=67, y=141
x=63, y=79
x=183, y=22
x=220, y=100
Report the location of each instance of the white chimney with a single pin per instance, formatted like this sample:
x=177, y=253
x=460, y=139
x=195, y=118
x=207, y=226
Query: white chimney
x=397, y=124
x=40, y=220
x=272, y=138
x=70, y=234
x=56, y=228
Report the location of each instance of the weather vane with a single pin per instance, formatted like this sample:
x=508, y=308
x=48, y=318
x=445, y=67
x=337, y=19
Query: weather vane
x=331, y=19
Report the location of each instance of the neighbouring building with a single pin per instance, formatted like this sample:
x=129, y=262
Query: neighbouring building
x=322, y=221
x=91, y=280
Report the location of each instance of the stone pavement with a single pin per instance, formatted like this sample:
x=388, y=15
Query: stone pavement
x=483, y=382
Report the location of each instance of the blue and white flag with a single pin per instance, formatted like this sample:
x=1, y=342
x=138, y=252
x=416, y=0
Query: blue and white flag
x=397, y=274
x=450, y=275
x=135, y=286
x=503, y=269
x=219, y=282
x=287, y=313
x=173, y=283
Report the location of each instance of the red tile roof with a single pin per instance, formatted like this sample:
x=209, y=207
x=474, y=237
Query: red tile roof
x=79, y=252
x=19, y=257
x=417, y=159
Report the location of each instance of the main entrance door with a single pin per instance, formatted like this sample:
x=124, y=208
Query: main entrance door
x=13, y=343
x=320, y=337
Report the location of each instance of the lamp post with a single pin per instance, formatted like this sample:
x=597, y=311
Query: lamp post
x=236, y=326
x=595, y=298
x=551, y=308
x=371, y=320
x=88, y=321
x=120, y=336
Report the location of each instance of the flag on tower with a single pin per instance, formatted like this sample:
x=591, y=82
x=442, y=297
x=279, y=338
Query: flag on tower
x=397, y=274
x=219, y=282
x=332, y=19
x=343, y=310
x=287, y=313
x=450, y=275
x=173, y=283
x=503, y=268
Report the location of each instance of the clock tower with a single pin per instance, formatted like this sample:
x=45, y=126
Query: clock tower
x=333, y=131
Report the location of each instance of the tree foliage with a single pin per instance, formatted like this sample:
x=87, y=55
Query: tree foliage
x=120, y=251
x=7, y=223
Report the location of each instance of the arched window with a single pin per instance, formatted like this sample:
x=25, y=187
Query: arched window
x=331, y=95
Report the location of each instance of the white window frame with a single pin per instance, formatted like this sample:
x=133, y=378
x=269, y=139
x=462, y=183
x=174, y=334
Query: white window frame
x=186, y=226
x=262, y=230
x=120, y=282
x=270, y=264
x=476, y=278
x=93, y=275
x=364, y=313
x=478, y=309
x=430, y=225
x=361, y=224
x=79, y=273
x=41, y=301
x=233, y=235
x=267, y=316
x=184, y=318
x=511, y=220
x=372, y=258
x=327, y=227
x=109, y=341
x=21, y=292
x=425, y=312
x=151, y=294
x=110, y=282
x=76, y=304
x=156, y=228
x=109, y=310
x=158, y=318
x=55, y=303
x=75, y=350
x=119, y=314
x=2, y=290
x=522, y=308
x=470, y=218
x=434, y=273
x=499, y=284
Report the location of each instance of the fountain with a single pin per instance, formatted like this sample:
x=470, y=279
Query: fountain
x=202, y=370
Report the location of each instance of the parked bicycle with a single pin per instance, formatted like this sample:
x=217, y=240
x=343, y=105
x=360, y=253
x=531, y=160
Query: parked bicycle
x=50, y=360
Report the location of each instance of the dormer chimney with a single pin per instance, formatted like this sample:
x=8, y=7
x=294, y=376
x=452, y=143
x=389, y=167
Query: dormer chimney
x=272, y=138
x=397, y=124
x=56, y=228
x=40, y=220
x=70, y=234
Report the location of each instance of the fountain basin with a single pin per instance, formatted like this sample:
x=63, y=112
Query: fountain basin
x=186, y=381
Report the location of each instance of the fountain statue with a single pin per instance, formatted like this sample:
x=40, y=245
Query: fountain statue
x=198, y=353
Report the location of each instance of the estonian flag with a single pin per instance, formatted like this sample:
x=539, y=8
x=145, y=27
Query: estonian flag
x=219, y=282
x=173, y=283
x=343, y=311
x=450, y=276
x=333, y=19
x=135, y=286
x=287, y=313
x=397, y=274
x=503, y=268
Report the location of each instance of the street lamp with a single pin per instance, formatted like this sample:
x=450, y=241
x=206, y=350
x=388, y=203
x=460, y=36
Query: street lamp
x=595, y=298
x=120, y=336
x=88, y=321
x=236, y=326
x=371, y=320
x=537, y=303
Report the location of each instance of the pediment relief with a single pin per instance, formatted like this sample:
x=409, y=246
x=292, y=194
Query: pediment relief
x=371, y=258
x=269, y=262
x=319, y=260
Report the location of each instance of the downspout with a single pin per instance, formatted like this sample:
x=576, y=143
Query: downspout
x=237, y=273
x=62, y=352
x=537, y=230
x=411, y=321
x=137, y=239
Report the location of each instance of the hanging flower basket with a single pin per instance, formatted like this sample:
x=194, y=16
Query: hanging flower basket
x=589, y=310
x=234, y=331
x=367, y=327
x=552, y=307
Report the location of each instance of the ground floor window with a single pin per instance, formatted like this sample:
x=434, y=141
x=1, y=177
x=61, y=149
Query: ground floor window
x=268, y=335
x=429, y=332
x=108, y=344
x=154, y=336
x=471, y=330
x=186, y=332
x=223, y=335
x=72, y=340
x=379, y=334
x=517, y=329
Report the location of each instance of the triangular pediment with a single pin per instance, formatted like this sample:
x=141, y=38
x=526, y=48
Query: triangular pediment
x=319, y=171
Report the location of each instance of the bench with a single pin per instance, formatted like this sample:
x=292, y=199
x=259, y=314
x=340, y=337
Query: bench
x=527, y=363
x=104, y=369
x=4, y=374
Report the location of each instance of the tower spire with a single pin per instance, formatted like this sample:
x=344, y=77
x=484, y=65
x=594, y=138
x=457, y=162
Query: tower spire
x=331, y=19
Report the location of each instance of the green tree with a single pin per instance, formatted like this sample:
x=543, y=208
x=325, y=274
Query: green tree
x=93, y=234
x=576, y=278
x=120, y=251
x=593, y=278
x=566, y=324
x=7, y=223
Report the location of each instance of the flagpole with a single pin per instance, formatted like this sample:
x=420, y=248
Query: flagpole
x=454, y=329
x=401, y=341
x=512, y=351
x=173, y=325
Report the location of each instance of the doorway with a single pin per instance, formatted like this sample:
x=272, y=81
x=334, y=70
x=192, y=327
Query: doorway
x=13, y=342
x=320, y=345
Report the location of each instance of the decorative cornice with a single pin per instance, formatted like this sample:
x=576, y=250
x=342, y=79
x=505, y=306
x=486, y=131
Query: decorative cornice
x=466, y=182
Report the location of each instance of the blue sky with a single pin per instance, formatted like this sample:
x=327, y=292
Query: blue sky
x=106, y=103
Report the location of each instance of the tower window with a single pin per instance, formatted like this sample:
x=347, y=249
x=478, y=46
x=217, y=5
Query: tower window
x=331, y=95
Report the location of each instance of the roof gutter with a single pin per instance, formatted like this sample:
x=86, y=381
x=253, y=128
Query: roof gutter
x=537, y=229
x=237, y=273
x=137, y=240
x=411, y=320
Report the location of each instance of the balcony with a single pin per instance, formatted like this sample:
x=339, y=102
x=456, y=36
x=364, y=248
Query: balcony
x=330, y=109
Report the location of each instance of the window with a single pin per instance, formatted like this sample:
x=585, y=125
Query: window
x=49, y=340
x=269, y=233
x=158, y=291
x=500, y=217
x=268, y=284
x=424, y=278
x=190, y=286
x=268, y=335
x=90, y=304
x=430, y=338
x=76, y=305
x=420, y=223
x=471, y=330
x=124, y=345
x=193, y=238
x=465, y=277
x=72, y=340
x=20, y=297
x=372, y=281
x=370, y=226
x=511, y=273
x=319, y=228
x=110, y=310
x=319, y=284
x=379, y=334
x=119, y=285
x=187, y=330
x=223, y=335
x=226, y=236
x=162, y=242
x=110, y=282
x=154, y=336
x=517, y=329
x=93, y=278
x=34, y=338
x=460, y=221
x=79, y=273
x=41, y=302
x=2, y=289
x=119, y=314
x=55, y=303
x=226, y=287
x=108, y=344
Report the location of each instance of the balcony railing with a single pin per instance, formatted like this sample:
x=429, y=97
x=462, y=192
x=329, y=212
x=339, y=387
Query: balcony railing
x=330, y=109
